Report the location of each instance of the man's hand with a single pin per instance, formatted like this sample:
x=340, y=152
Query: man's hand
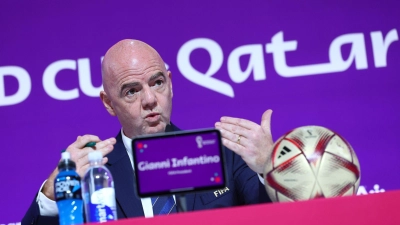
x=248, y=139
x=79, y=154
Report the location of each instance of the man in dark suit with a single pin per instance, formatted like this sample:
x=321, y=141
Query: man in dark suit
x=138, y=90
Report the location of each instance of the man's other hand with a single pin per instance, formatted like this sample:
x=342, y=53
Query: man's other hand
x=248, y=139
x=79, y=154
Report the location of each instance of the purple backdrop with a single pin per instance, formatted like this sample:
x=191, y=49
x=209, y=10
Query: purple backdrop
x=351, y=47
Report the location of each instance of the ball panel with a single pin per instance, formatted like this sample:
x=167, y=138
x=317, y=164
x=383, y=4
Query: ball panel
x=338, y=147
x=293, y=178
x=349, y=192
x=316, y=192
x=356, y=186
x=283, y=198
x=284, y=150
x=317, y=150
x=314, y=140
x=355, y=160
x=272, y=193
x=336, y=175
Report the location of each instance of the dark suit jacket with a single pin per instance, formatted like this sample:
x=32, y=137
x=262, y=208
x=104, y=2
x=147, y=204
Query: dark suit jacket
x=243, y=187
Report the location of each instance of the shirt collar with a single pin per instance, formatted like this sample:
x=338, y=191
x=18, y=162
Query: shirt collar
x=128, y=146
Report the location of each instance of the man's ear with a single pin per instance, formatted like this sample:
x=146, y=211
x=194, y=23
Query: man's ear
x=170, y=83
x=107, y=103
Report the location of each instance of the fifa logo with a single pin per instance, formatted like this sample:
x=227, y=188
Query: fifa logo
x=201, y=142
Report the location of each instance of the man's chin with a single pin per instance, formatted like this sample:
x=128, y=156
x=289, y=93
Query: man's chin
x=157, y=128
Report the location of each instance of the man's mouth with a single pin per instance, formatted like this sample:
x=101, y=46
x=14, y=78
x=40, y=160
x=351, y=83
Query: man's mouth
x=152, y=117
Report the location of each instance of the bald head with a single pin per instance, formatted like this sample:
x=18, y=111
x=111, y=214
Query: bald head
x=137, y=88
x=127, y=53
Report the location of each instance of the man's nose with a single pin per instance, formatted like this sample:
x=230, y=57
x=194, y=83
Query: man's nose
x=149, y=99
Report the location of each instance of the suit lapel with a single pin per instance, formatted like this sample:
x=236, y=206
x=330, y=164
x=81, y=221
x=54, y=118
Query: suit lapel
x=122, y=172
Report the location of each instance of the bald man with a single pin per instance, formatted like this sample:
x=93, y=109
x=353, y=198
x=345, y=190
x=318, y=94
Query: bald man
x=138, y=91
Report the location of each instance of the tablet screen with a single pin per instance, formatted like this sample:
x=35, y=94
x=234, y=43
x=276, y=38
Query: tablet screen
x=178, y=162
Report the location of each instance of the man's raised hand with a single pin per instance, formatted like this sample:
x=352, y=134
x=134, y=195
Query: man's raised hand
x=251, y=141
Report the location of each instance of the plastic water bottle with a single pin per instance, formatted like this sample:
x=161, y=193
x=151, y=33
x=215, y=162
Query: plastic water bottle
x=98, y=191
x=67, y=191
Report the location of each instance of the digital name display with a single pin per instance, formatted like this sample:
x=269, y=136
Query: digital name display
x=178, y=162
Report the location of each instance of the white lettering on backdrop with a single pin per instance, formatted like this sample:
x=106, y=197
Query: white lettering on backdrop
x=206, y=79
x=278, y=47
x=24, y=85
x=256, y=63
x=256, y=66
x=85, y=83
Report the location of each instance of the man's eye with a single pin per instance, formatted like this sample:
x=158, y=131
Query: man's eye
x=131, y=92
x=158, y=82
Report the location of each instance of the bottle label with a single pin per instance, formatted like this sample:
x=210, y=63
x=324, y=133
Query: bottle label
x=67, y=187
x=102, y=205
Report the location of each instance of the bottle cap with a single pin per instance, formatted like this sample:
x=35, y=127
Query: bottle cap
x=66, y=162
x=65, y=155
x=95, y=156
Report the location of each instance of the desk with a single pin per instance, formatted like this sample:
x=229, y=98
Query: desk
x=376, y=209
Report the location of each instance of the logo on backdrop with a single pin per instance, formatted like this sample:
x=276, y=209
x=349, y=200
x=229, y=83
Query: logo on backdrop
x=49, y=81
x=277, y=47
x=362, y=190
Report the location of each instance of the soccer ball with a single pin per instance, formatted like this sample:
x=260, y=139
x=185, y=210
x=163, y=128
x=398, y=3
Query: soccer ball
x=311, y=162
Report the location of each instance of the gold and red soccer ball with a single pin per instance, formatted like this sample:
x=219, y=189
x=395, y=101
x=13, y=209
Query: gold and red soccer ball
x=311, y=162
